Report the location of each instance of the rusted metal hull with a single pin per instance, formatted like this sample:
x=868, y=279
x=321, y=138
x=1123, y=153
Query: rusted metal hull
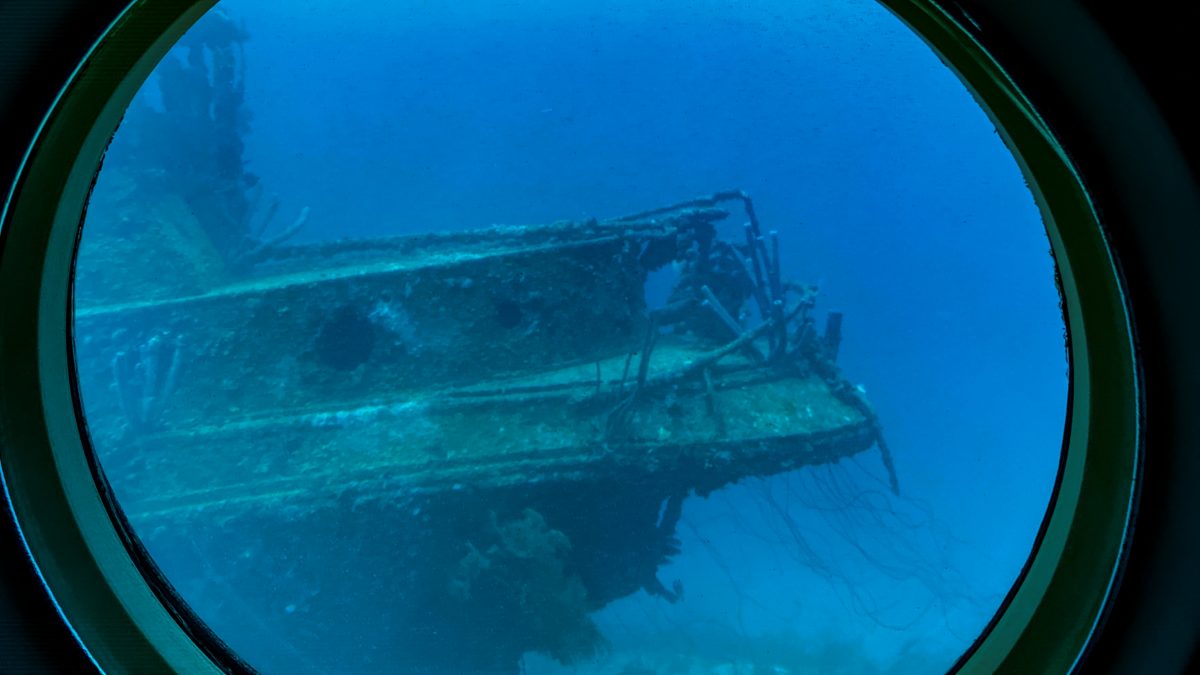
x=485, y=416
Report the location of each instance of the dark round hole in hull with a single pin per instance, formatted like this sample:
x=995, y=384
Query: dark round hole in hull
x=345, y=340
x=508, y=313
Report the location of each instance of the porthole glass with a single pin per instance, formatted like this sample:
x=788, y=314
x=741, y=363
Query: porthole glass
x=606, y=337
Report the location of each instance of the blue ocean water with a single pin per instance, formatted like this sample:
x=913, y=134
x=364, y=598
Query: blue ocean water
x=890, y=188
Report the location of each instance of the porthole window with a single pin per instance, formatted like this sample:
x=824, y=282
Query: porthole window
x=601, y=338
x=395, y=361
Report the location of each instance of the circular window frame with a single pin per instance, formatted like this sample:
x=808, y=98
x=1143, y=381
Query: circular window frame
x=127, y=617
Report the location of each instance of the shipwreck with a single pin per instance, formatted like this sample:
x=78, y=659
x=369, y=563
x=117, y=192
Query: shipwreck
x=478, y=438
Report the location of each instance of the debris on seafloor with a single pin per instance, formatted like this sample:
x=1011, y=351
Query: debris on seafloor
x=493, y=420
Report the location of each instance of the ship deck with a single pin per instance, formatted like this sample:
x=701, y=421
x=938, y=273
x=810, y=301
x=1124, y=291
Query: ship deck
x=685, y=432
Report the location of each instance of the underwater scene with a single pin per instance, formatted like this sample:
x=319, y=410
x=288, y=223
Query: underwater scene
x=597, y=337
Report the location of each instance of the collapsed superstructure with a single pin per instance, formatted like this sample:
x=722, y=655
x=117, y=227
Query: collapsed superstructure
x=490, y=425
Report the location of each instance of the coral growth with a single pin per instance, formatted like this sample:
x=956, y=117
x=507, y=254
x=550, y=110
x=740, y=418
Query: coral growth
x=144, y=378
x=520, y=578
x=394, y=320
x=189, y=143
